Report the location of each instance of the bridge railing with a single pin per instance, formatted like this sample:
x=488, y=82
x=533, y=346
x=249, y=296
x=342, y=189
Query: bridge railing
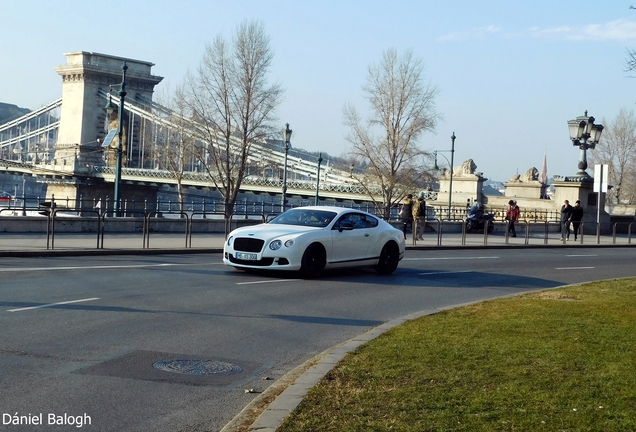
x=203, y=208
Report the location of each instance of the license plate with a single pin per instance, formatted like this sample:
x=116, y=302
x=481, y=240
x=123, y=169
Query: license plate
x=246, y=256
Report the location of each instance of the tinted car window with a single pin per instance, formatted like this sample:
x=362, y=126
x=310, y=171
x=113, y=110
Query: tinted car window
x=358, y=220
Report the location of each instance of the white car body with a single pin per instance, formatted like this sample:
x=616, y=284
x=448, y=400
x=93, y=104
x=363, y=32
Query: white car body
x=311, y=239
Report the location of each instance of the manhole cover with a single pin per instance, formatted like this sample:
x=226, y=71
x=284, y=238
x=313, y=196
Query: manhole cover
x=197, y=367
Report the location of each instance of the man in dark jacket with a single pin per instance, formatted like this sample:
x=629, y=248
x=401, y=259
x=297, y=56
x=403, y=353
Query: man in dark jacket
x=566, y=213
x=575, y=217
x=406, y=213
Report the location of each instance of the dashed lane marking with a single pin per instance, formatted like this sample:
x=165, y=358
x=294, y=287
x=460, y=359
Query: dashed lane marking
x=450, y=258
x=574, y=268
x=52, y=304
x=267, y=281
x=445, y=272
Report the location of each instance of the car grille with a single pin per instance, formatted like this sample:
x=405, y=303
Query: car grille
x=246, y=244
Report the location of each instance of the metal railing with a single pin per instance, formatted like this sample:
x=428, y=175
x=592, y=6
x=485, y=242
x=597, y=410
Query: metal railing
x=151, y=220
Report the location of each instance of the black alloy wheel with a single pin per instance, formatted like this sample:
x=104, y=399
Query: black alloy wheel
x=314, y=261
x=389, y=259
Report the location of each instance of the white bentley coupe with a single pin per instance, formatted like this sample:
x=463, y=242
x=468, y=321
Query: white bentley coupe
x=312, y=239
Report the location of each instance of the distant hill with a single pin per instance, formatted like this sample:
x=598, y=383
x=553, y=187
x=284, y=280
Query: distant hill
x=9, y=112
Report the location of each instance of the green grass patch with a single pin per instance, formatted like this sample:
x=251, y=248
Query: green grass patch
x=557, y=360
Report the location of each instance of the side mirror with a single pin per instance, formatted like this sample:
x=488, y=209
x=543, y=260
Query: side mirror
x=345, y=226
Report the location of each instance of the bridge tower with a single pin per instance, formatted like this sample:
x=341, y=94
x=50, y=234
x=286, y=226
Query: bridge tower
x=86, y=77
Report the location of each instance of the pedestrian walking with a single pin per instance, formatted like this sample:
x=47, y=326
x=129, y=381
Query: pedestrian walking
x=575, y=218
x=419, y=217
x=406, y=213
x=566, y=213
x=512, y=216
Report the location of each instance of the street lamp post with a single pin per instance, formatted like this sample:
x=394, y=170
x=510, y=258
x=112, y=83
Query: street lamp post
x=286, y=136
x=120, y=134
x=317, y=200
x=436, y=168
x=584, y=135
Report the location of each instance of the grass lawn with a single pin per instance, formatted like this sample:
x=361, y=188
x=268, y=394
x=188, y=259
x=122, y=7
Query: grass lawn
x=557, y=360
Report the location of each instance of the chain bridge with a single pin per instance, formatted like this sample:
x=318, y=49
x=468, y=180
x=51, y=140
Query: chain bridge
x=70, y=143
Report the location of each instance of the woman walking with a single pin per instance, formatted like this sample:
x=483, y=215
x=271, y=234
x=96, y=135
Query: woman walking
x=512, y=216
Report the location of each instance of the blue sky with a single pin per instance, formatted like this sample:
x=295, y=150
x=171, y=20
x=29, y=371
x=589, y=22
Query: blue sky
x=510, y=73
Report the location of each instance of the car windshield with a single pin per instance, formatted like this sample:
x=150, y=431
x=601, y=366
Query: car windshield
x=304, y=217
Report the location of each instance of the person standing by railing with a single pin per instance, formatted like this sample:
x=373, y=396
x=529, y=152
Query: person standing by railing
x=512, y=216
x=406, y=213
x=419, y=217
x=566, y=213
x=575, y=217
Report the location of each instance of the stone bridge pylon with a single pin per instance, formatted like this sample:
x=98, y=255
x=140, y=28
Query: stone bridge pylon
x=84, y=122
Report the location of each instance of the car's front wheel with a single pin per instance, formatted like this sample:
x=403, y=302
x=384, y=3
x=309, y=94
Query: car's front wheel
x=314, y=261
x=389, y=259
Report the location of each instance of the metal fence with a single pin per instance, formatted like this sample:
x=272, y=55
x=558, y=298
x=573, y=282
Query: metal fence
x=443, y=232
x=539, y=227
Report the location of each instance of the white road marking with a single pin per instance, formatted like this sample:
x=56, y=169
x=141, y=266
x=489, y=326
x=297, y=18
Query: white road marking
x=52, y=304
x=573, y=268
x=450, y=258
x=445, y=272
x=582, y=255
x=89, y=267
x=267, y=281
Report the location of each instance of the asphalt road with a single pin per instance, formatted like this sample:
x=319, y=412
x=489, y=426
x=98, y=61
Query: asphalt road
x=79, y=336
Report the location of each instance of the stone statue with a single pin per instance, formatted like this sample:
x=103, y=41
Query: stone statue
x=467, y=168
x=529, y=176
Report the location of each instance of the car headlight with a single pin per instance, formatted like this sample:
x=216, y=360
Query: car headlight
x=275, y=245
x=229, y=240
x=289, y=243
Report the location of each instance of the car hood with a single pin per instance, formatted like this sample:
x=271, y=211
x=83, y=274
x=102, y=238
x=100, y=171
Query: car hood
x=272, y=230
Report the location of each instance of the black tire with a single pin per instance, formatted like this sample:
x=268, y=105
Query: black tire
x=470, y=225
x=314, y=261
x=491, y=227
x=389, y=259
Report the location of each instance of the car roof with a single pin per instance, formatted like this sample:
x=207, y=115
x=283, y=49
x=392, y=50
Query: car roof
x=334, y=209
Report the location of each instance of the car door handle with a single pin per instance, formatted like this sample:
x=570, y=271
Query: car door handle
x=366, y=234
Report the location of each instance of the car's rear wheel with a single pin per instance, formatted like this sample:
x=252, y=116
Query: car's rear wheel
x=389, y=259
x=314, y=261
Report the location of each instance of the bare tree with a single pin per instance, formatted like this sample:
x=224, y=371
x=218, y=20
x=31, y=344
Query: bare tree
x=616, y=149
x=402, y=109
x=231, y=99
x=630, y=61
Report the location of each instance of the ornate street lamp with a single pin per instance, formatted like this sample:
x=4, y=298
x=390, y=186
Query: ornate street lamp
x=317, y=200
x=286, y=136
x=436, y=168
x=584, y=135
x=110, y=107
